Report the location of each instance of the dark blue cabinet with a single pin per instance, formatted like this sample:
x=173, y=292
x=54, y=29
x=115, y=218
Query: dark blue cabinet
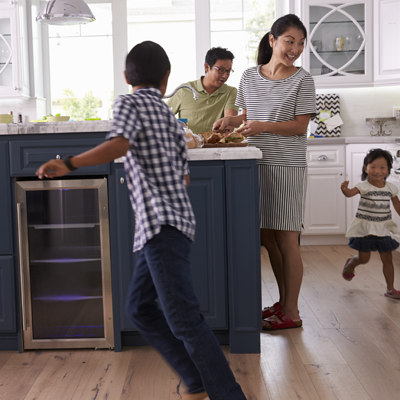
x=6, y=242
x=7, y=295
x=122, y=248
x=208, y=259
x=225, y=257
x=28, y=155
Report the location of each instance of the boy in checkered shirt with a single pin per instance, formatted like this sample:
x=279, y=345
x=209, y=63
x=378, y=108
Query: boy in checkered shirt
x=156, y=166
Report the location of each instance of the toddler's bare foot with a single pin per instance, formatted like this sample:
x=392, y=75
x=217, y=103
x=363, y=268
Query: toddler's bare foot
x=195, y=396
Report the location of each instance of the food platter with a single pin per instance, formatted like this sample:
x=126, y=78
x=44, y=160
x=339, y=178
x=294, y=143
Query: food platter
x=241, y=144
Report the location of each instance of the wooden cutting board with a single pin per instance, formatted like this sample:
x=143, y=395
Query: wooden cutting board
x=207, y=145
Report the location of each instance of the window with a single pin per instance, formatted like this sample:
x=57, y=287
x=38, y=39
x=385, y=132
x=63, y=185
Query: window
x=239, y=26
x=81, y=67
x=86, y=62
x=171, y=24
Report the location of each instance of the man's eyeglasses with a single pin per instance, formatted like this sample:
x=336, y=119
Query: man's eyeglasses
x=222, y=71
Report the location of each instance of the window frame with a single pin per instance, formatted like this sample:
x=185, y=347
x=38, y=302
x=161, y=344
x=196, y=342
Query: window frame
x=120, y=39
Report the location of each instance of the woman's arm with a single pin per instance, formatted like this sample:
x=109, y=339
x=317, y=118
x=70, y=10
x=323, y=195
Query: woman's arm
x=296, y=127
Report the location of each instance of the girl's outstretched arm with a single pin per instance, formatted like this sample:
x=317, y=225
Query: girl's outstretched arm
x=396, y=204
x=348, y=192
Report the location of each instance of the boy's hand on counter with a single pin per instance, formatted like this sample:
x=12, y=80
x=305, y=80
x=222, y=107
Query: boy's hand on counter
x=52, y=169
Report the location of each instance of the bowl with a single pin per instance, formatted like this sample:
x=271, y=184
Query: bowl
x=6, y=118
x=59, y=118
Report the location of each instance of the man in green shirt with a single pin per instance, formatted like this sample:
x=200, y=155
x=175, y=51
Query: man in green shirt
x=216, y=98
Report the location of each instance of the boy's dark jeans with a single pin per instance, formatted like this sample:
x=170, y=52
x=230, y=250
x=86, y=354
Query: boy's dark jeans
x=178, y=331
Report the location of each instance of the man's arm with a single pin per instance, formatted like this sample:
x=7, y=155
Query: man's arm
x=230, y=109
x=104, y=152
x=230, y=112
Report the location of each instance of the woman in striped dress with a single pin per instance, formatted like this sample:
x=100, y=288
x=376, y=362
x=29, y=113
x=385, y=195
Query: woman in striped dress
x=277, y=101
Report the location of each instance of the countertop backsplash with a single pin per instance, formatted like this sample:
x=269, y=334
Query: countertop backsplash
x=357, y=104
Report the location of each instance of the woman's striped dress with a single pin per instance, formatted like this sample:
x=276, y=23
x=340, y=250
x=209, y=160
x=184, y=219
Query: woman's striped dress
x=283, y=168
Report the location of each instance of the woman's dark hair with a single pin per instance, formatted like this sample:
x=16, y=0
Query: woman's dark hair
x=218, y=53
x=146, y=64
x=372, y=156
x=279, y=27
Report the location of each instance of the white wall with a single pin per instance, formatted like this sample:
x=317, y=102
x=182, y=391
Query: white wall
x=33, y=108
x=357, y=104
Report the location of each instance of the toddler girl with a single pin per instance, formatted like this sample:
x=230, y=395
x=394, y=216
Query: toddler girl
x=371, y=228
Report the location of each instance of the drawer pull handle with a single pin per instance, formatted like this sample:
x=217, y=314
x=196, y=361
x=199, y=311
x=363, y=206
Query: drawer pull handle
x=58, y=157
x=397, y=171
x=122, y=181
x=322, y=158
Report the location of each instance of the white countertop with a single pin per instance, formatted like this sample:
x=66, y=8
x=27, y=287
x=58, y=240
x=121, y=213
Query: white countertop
x=194, y=154
x=353, y=140
x=223, y=153
x=55, y=127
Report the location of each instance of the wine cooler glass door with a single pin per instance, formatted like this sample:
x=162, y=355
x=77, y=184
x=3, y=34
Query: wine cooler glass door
x=65, y=264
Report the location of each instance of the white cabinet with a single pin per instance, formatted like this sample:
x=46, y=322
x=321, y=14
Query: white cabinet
x=14, y=71
x=386, y=41
x=325, y=204
x=339, y=50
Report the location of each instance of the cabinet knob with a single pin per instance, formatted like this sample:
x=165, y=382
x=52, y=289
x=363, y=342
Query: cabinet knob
x=322, y=158
x=122, y=181
x=58, y=157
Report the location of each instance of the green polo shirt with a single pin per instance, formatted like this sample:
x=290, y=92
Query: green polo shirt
x=202, y=113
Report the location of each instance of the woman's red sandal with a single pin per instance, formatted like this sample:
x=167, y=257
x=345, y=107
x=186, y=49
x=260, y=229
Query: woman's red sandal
x=266, y=313
x=286, y=323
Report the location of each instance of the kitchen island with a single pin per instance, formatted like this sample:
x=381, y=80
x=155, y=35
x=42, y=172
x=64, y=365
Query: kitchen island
x=225, y=256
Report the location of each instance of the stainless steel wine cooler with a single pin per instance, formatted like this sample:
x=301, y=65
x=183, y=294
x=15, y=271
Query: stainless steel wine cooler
x=65, y=269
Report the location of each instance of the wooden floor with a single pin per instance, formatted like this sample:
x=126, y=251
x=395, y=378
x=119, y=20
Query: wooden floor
x=348, y=348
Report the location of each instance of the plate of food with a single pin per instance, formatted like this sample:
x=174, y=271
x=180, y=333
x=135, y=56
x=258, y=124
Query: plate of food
x=214, y=139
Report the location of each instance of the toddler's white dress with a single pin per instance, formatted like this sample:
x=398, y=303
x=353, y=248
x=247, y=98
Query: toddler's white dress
x=373, y=216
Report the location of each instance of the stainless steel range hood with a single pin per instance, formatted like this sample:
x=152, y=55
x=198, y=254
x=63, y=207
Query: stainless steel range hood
x=65, y=12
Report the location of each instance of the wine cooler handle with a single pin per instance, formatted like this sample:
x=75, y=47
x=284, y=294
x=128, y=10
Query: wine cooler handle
x=21, y=264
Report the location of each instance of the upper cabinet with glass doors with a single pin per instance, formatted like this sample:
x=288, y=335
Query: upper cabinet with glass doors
x=14, y=72
x=339, y=48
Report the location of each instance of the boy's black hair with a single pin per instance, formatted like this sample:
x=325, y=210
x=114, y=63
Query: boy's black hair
x=372, y=156
x=218, y=53
x=146, y=64
x=279, y=27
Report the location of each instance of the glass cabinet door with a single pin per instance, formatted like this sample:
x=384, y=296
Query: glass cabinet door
x=339, y=42
x=7, y=21
x=14, y=61
x=65, y=254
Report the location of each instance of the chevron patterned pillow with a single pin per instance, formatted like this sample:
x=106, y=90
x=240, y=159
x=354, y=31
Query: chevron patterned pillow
x=330, y=102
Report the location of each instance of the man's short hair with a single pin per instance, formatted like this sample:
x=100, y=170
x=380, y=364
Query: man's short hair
x=146, y=64
x=218, y=53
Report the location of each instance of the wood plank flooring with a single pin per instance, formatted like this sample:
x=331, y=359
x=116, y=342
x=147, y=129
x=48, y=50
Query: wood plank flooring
x=349, y=347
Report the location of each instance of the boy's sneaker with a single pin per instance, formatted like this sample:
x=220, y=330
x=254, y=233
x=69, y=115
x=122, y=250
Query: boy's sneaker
x=394, y=294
